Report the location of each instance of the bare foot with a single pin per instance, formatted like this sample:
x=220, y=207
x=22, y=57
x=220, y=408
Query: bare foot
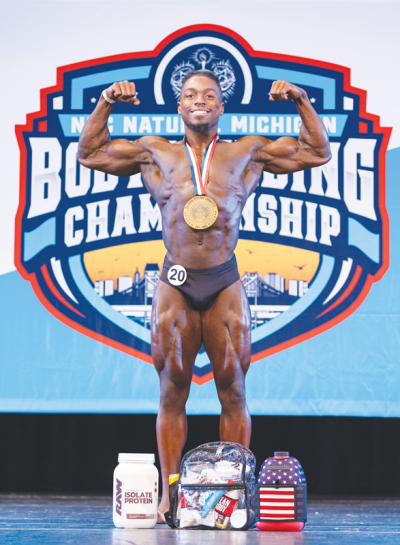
x=162, y=508
x=161, y=518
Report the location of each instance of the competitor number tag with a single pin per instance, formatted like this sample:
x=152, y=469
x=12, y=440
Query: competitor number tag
x=177, y=275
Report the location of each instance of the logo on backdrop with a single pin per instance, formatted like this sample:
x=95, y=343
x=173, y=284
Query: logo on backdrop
x=202, y=59
x=311, y=243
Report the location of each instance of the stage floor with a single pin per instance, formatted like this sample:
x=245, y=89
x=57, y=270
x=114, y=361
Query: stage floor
x=46, y=519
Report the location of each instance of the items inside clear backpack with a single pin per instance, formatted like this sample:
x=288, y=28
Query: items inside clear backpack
x=214, y=488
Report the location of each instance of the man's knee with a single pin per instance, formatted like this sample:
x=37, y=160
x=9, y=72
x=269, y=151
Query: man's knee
x=175, y=374
x=174, y=393
x=231, y=365
x=175, y=379
x=230, y=383
x=171, y=364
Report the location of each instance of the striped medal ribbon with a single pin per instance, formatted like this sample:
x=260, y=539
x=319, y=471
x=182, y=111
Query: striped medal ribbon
x=201, y=211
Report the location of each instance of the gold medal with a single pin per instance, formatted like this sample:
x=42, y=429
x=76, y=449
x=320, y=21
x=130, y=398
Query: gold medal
x=200, y=212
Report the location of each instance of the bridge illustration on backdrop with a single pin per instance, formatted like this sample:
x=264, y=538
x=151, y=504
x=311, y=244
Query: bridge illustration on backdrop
x=133, y=295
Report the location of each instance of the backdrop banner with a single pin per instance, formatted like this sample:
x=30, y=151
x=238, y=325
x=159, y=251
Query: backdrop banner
x=313, y=250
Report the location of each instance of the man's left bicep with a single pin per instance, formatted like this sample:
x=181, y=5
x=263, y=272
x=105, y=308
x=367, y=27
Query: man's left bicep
x=286, y=155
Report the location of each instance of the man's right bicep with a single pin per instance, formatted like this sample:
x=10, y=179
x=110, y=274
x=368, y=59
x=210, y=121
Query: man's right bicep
x=118, y=157
x=125, y=158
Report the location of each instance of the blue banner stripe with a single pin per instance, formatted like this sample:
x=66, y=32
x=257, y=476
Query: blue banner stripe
x=39, y=238
x=235, y=124
x=360, y=237
x=300, y=305
x=79, y=276
x=78, y=85
x=328, y=85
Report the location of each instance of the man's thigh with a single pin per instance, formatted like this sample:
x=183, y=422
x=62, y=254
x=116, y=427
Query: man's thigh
x=226, y=329
x=175, y=334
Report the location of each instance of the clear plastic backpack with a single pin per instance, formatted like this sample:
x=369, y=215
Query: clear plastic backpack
x=215, y=489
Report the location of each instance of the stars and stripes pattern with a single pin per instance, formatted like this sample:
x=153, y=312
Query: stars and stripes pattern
x=276, y=503
x=200, y=175
x=294, y=475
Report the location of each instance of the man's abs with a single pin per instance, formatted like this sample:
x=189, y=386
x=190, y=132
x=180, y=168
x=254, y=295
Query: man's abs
x=200, y=248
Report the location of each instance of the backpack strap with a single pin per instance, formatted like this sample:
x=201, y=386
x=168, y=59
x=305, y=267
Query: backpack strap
x=169, y=520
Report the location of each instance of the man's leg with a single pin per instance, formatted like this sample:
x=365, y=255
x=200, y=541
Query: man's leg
x=226, y=336
x=175, y=341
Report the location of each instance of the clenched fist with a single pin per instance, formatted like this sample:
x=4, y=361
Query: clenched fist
x=282, y=90
x=123, y=91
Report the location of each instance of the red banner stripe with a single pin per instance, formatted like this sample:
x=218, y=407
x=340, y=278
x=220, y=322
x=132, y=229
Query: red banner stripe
x=277, y=498
x=278, y=517
x=284, y=506
x=277, y=495
x=277, y=505
x=274, y=491
x=273, y=512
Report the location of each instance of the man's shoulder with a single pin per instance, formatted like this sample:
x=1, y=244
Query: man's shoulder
x=150, y=141
x=248, y=143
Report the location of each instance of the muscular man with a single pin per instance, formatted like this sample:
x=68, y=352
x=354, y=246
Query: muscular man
x=213, y=307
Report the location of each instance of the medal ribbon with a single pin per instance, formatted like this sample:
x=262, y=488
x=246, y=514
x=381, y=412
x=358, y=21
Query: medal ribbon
x=200, y=175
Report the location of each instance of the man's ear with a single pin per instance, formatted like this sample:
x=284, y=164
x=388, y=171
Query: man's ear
x=179, y=107
x=222, y=107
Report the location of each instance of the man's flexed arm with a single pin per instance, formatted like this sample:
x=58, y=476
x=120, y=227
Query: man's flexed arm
x=96, y=150
x=288, y=154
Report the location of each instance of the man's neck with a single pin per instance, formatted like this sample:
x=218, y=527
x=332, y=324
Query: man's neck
x=200, y=140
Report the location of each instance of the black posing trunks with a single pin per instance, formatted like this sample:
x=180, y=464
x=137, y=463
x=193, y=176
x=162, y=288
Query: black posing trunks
x=202, y=285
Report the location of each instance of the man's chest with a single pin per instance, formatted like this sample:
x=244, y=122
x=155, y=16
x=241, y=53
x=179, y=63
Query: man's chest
x=177, y=178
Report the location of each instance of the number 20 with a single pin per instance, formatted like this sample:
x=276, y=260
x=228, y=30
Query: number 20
x=181, y=275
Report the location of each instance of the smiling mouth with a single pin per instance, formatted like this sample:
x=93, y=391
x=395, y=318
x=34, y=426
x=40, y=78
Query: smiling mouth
x=199, y=112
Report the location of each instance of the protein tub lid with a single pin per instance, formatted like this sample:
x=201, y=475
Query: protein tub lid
x=135, y=457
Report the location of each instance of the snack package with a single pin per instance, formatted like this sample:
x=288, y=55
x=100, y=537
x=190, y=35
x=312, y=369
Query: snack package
x=188, y=517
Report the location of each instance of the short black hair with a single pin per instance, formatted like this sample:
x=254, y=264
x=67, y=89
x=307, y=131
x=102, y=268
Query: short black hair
x=204, y=73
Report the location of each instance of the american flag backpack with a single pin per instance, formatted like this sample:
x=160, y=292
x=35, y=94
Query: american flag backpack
x=281, y=495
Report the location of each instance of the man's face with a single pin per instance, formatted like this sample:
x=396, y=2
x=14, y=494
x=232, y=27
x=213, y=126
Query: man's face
x=200, y=103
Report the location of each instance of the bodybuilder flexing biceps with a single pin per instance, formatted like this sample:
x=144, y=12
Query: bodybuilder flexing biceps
x=210, y=306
